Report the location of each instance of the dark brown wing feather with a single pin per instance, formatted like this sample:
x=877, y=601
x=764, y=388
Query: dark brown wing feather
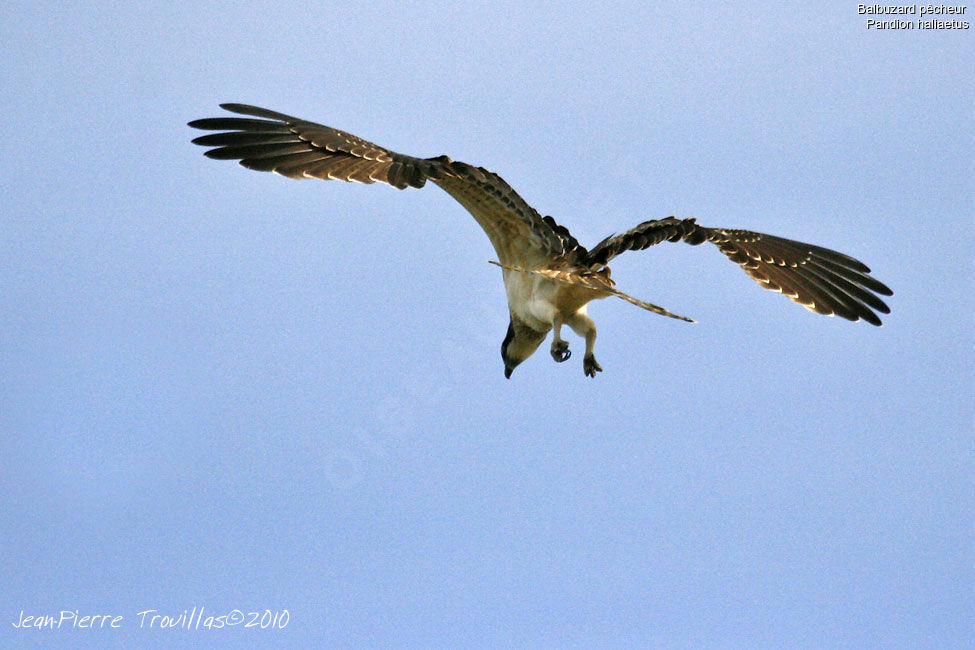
x=820, y=279
x=647, y=234
x=297, y=148
x=300, y=149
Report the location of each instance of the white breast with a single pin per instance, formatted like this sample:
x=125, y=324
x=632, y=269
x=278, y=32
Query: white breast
x=535, y=299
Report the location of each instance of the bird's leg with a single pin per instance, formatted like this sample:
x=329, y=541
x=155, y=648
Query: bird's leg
x=560, y=347
x=582, y=325
x=589, y=364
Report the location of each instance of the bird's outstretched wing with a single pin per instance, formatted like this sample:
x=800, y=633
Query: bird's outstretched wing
x=300, y=149
x=819, y=279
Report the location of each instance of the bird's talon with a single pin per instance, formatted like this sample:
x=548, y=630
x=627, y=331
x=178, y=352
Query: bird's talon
x=590, y=366
x=561, y=351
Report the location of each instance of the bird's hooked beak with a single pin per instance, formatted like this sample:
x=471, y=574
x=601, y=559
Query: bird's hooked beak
x=508, y=338
x=518, y=345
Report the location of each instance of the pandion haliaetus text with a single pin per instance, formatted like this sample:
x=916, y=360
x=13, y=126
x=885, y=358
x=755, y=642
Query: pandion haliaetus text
x=548, y=276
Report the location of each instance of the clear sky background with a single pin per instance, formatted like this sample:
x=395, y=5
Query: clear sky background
x=230, y=390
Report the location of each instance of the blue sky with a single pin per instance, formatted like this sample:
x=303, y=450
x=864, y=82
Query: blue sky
x=229, y=390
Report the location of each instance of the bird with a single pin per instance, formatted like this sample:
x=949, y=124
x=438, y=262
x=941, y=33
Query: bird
x=549, y=277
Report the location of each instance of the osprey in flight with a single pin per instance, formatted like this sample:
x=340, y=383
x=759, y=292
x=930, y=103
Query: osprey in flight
x=548, y=276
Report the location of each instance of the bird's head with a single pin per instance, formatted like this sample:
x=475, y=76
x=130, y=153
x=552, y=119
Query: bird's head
x=519, y=343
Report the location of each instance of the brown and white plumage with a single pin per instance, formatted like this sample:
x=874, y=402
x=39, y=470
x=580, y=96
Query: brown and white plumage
x=549, y=277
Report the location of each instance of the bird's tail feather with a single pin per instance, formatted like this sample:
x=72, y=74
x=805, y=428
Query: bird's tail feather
x=596, y=285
